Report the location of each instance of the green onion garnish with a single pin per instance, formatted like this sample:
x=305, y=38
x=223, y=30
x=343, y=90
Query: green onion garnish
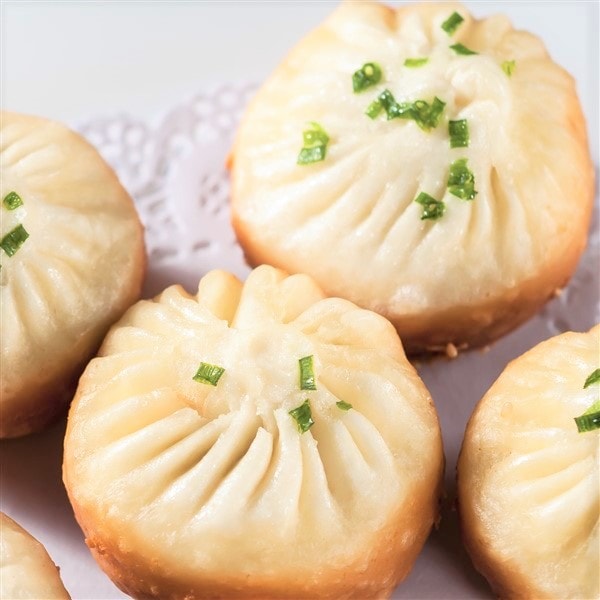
x=315, y=144
x=461, y=181
x=593, y=378
x=590, y=419
x=209, y=374
x=451, y=23
x=460, y=49
x=368, y=75
x=508, y=66
x=303, y=416
x=374, y=109
x=386, y=101
x=425, y=115
x=343, y=405
x=432, y=208
x=459, y=133
x=12, y=200
x=415, y=62
x=307, y=375
x=13, y=240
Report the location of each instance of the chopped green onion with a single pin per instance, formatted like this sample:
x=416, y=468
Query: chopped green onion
x=374, y=109
x=460, y=49
x=461, y=181
x=590, y=419
x=451, y=24
x=343, y=405
x=432, y=208
x=592, y=379
x=315, y=144
x=303, y=417
x=209, y=374
x=13, y=240
x=425, y=115
x=386, y=101
x=459, y=133
x=307, y=375
x=415, y=62
x=588, y=422
x=12, y=200
x=368, y=75
x=508, y=66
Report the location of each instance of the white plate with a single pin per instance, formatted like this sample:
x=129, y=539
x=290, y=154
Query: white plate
x=174, y=169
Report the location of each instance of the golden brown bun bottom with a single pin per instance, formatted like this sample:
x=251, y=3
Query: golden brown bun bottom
x=369, y=577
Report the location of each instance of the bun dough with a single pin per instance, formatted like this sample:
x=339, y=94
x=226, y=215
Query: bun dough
x=26, y=570
x=80, y=268
x=528, y=482
x=191, y=490
x=350, y=220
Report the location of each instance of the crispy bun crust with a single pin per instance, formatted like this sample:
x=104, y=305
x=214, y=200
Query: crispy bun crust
x=373, y=576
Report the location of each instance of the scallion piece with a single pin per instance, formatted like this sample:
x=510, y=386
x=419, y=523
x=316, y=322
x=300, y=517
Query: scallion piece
x=343, y=405
x=368, y=75
x=461, y=181
x=208, y=374
x=425, y=115
x=307, y=374
x=460, y=49
x=386, y=101
x=508, y=66
x=459, y=133
x=588, y=422
x=592, y=379
x=374, y=109
x=315, y=144
x=590, y=419
x=451, y=24
x=13, y=240
x=303, y=416
x=415, y=62
x=432, y=209
x=12, y=200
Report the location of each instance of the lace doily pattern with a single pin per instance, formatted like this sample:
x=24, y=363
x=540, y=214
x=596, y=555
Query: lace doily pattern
x=175, y=171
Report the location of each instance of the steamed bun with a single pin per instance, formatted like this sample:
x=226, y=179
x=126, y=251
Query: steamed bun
x=72, y=260
x=456, y=207
x=529, y=481
x=202, y=460
x=26, y=570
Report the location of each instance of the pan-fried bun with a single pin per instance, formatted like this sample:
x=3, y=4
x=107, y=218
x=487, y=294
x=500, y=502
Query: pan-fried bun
x=26, y=570
x=456, y=207
x=528, y=480
x=72, y=261
x=202, y=460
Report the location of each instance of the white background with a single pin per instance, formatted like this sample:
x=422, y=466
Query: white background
x=75, y=61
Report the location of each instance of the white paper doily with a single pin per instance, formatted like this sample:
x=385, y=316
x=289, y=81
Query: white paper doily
x=175, y=170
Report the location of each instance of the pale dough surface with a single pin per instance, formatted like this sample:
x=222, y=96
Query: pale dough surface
x=80, y=268
x=26, y=570
x=529, y=487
